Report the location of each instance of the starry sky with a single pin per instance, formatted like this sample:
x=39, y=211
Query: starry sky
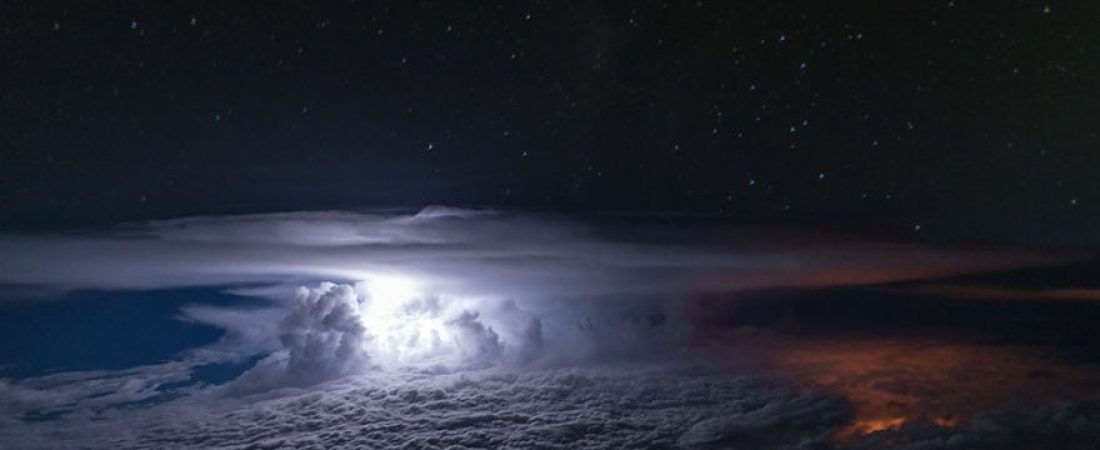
x=940, y=120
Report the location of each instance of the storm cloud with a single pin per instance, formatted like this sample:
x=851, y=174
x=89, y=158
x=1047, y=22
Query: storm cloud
x=470, y=252
x=448, y=328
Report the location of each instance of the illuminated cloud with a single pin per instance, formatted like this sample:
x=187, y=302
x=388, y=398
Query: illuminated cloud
x=322, y=337
x=473, y=253
x=458, y=287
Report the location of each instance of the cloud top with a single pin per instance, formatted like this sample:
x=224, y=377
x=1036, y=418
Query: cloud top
x=481, y=253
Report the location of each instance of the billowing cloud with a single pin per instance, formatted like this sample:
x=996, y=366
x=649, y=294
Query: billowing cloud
x=638, y=406
x=334, y=330
x=322, y=337
x=651, y=405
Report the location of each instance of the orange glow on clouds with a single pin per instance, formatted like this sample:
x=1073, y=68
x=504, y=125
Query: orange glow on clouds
x=894, y=382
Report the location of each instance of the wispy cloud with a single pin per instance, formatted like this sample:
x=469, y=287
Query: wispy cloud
x=473, y=253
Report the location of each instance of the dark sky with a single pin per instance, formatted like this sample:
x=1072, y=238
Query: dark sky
x=939, y=120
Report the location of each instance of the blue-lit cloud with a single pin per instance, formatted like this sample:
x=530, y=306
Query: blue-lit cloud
x=471, y=253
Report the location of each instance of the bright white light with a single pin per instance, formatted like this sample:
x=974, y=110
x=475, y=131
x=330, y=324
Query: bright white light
x=405, y=326
x=391, y=289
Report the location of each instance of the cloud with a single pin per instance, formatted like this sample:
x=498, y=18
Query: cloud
x=323, y=333
x=248, y=330
x=477, y=253
x=1053, y=423
x=476, y=342
x=85, y=393
x=672, y=405
x=490, y=285
x=932, y=391
x=322, y=337
x=666, y=402
x=447, y=328
x=595, y=408
x=979, y=292
x=334, y=330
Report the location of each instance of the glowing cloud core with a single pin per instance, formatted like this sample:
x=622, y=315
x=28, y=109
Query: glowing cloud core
x=408, y=327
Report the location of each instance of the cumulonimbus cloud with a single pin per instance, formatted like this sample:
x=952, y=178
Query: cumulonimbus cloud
x=509, y=293
x=490, y=286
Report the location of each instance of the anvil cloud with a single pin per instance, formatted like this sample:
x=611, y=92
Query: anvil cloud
x=471, y=253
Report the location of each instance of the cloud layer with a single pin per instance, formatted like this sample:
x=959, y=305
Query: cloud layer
x=476, y=253
x=654, y=406
x=605, y=408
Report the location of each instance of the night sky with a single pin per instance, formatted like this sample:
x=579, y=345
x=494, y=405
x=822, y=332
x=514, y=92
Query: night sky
x=944, y=120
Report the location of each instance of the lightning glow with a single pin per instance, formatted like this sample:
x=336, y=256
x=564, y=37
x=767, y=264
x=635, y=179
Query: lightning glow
x=406, y=326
